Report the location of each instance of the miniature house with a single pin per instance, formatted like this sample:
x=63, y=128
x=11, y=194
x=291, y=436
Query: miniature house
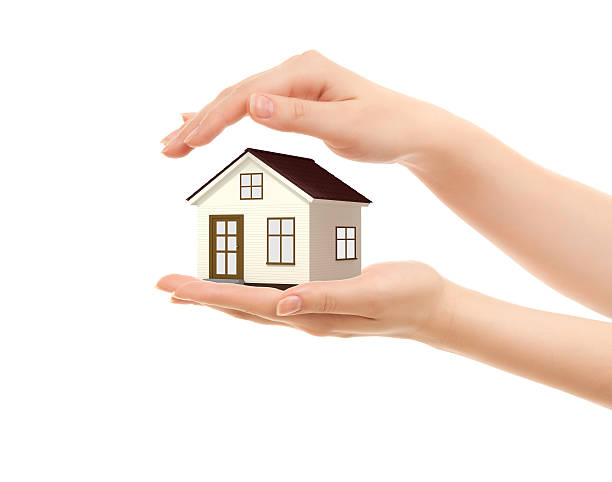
x=277, y=220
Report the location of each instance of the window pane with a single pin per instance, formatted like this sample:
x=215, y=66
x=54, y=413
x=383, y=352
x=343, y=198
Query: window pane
x=220, y=243
x=340, y=233
x=340, y=246
x=220, y=263
x=245, y=179
x=231, y=227
x=231, y=263
x=220, y=227
x=273, y=226
x=274, y=249
x=287, y=226
x=350, y=233
x=231, y=243
x=350, y=248
x=256, y=193
x=256, y=180
x=287, y=249
x=245, y=192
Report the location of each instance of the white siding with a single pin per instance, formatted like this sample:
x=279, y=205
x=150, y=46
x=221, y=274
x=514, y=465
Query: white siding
x=324, y=217
x=278, y=201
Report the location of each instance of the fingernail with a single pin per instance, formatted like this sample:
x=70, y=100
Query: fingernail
x=261, y=106
x=288, y=306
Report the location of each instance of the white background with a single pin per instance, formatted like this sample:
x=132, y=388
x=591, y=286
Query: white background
x=102, y=379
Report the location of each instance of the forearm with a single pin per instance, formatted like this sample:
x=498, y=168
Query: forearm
x=558, y=229
x=568, y=353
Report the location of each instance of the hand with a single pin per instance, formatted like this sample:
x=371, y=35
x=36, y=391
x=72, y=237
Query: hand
x=404, y=300
x=311, y=95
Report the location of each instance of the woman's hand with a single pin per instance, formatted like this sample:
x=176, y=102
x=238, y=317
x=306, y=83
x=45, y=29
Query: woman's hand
x=311, y=95
x=411, y=300
x=404, y=300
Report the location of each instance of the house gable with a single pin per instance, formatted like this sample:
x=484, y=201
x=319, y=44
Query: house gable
x=306, y=176
x=246, y=162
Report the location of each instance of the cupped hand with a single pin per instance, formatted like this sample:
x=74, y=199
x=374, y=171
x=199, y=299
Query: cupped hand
x=404, y=300
x=311, y=95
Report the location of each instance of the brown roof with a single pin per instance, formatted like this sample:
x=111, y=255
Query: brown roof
x=304, y=173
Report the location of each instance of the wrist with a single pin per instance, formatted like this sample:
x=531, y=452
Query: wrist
x=436, y=137
x=438, y=327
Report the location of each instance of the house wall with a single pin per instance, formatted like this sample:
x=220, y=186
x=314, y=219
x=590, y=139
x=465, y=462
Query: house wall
x=324, y=217
x=279, y=200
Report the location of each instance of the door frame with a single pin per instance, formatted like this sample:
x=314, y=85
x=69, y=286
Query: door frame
x=212, y=236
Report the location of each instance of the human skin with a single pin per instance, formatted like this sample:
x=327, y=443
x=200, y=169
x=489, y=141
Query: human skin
x=556, y=228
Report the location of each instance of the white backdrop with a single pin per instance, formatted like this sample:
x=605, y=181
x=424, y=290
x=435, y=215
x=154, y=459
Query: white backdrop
x=102, y=379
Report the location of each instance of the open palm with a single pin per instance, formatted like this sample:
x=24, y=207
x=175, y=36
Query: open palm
x=388, y=299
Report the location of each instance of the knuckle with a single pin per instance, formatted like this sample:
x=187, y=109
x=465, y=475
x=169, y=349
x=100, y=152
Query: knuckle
x=318, y=299
x=227, y=91
x=327, y=303
x=239, y=89
x=298, y=109
x=311, y=54
x=315, y=297
x=216, y=117
x=291, y=59
x=309, y=61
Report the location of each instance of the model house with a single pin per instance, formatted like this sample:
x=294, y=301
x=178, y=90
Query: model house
x=277, y=220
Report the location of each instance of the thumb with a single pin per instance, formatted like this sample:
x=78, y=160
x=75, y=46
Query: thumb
x=325, y=120
x=348, y=297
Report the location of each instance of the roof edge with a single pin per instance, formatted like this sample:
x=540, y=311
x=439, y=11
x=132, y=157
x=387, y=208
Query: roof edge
x=254, y=152
x=189, y=198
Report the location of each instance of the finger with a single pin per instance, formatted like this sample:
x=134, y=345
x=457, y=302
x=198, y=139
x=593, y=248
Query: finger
x=187, y=116
x=176, y=146
x=171, y=282
x=262, y=302
x=325, y=120
x=176, y=301
x=353, y=296
x=304, y=76
x=255, y=300
x=170, y=136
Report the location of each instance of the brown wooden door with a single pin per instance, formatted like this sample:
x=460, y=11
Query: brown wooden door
x=226, y=251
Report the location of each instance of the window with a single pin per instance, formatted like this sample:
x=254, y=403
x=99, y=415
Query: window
x=346, y=239
x=281, y=240
x=251, y=186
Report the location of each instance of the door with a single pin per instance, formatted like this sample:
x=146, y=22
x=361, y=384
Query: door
x=226, y=253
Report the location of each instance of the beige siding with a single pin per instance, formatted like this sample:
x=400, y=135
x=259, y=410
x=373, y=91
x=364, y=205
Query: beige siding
x=324, y=217
x=279, y=200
